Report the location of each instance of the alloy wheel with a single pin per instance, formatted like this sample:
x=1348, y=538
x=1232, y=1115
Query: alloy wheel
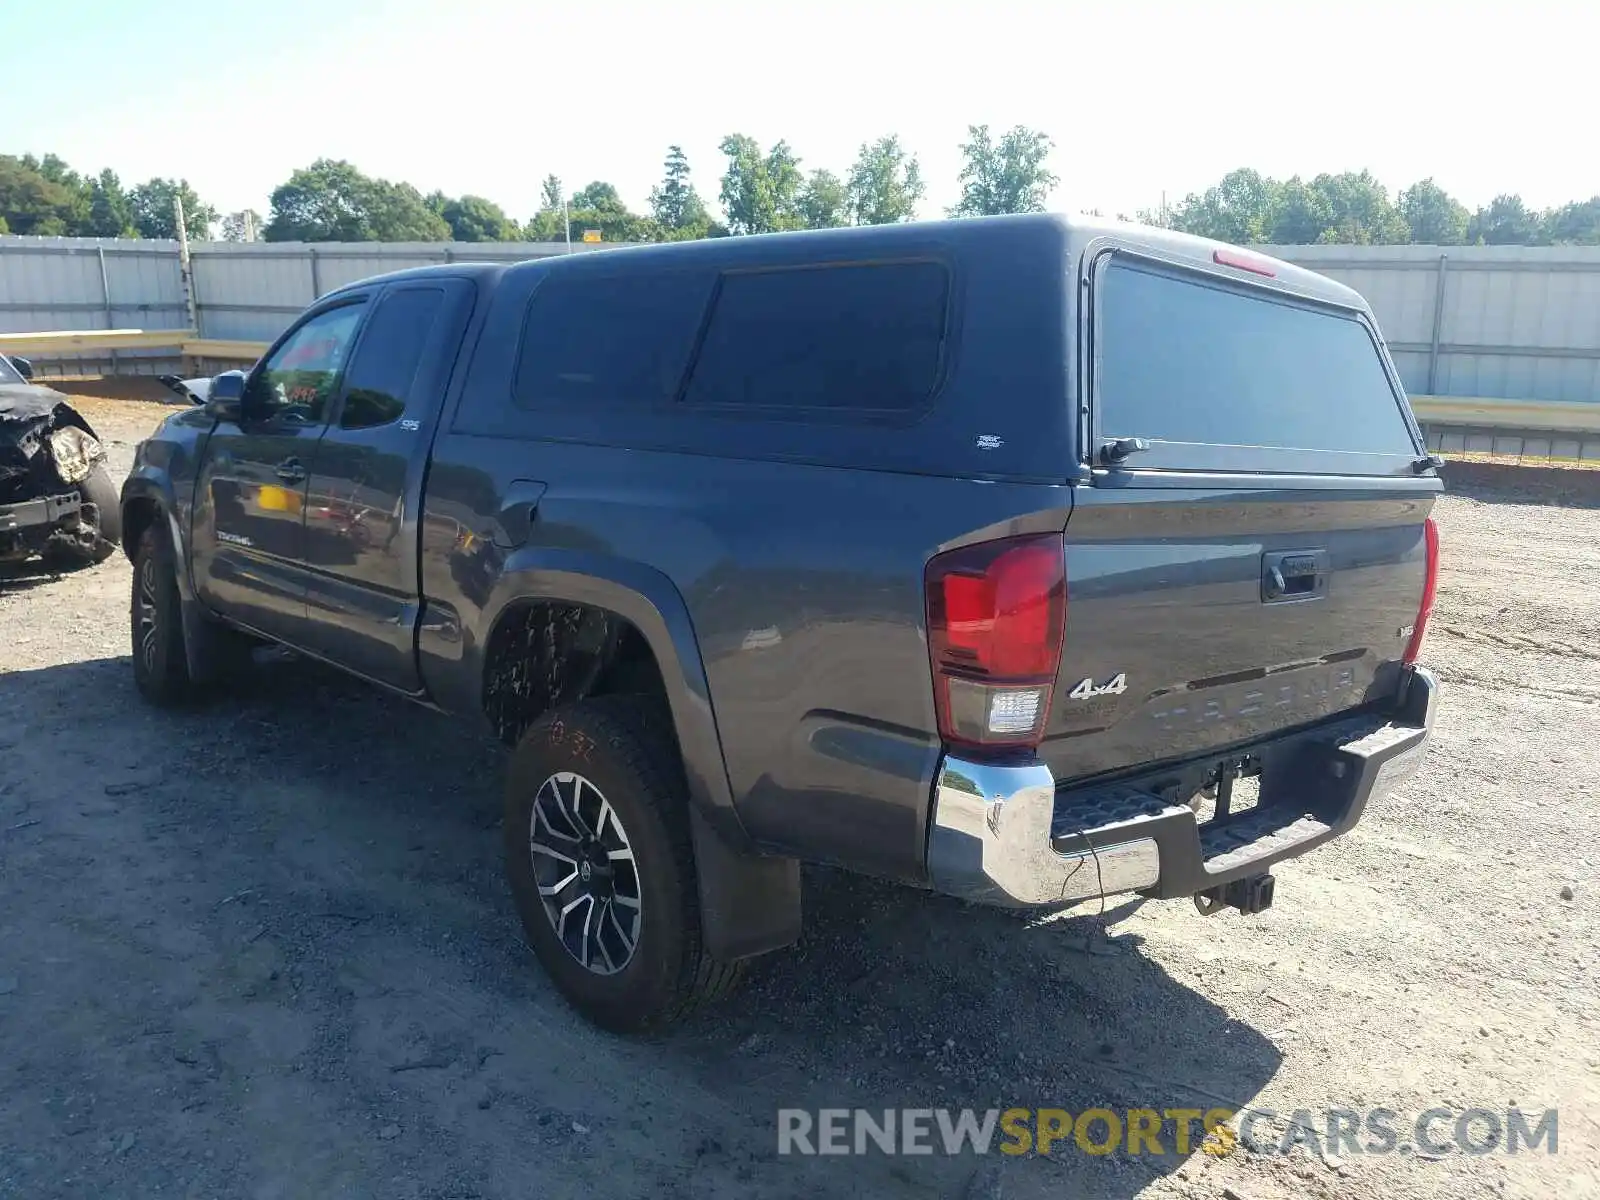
x=584, y=869
x=147, y=613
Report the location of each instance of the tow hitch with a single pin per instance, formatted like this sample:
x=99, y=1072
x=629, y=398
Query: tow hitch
x=1251, y=895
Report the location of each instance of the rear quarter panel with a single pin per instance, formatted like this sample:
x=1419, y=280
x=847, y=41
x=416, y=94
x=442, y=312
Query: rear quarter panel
x=804, y=588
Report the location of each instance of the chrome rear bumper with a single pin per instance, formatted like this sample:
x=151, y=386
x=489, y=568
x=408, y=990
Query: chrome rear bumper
x=991, y=842
x=1004, y=835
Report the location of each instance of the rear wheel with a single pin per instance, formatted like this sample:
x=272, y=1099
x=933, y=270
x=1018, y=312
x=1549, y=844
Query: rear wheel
x=160, y=668
x=601, y=867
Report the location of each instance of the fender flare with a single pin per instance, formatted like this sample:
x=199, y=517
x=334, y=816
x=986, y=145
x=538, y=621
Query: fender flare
x=145, y=486
x=650, y=601
x=749, y=903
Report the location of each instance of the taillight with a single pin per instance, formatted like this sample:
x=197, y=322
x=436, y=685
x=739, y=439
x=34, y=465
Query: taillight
x=1244, y=262
x=996, y=619
x=1430, y=584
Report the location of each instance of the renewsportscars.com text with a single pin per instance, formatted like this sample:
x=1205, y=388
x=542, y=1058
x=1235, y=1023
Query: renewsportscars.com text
x=1180, y=1131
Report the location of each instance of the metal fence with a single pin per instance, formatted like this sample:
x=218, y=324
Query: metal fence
x=1509, y=322
x=89, y=283
x=240, y=291
x=1474, y=323
x=1479, y=324
x=252, y=290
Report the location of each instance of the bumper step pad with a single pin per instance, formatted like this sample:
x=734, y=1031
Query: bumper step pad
x=1314, y=787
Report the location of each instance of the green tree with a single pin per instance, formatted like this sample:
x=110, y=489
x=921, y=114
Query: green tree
x=474, y=219
x=787, y=183
x=74, y=212
x=1008, y=177
x=551, y=193
x=1301, y=215
x=1576, y=224
x=885, y=183
x=1245, y=206
x=599, y=206
x=547, y=225
x=761, y=192
x=745, y=192
x=1241, y=208
x=151, y=206
x=823, y=202
x=1507, y=221
x=544, y=226
x=54, y=168
x=325, y=202
x=1362, y=211
x=331, y=201
x=110, y=210
x=1433, y=216
x=597, y=195
x=675, y=205
x=396, y=212
x=4, y=228
x=30, y=203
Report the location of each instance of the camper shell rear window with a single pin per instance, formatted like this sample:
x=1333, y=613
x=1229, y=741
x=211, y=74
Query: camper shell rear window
x=1218, y=375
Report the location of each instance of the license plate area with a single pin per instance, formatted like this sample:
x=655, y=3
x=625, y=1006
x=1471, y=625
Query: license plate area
x=1232, y=787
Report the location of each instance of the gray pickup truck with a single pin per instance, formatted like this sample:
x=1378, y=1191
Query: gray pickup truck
x=1026, y=559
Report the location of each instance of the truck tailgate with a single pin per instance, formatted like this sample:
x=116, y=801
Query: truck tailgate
x=1201, y=620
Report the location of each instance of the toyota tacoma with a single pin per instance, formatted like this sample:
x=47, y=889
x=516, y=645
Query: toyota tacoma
x=1027, y=559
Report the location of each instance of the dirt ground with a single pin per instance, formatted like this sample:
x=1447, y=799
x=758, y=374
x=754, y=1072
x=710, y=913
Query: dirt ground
x=263, y=949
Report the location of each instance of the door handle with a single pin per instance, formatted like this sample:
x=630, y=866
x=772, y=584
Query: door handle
x=290, y=471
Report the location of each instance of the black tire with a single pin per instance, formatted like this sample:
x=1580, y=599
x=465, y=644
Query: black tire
x=99, y=530
x=160, y=668
x=622, y=748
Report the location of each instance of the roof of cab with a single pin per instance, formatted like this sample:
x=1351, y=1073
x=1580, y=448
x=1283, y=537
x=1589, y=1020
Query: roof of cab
x=450, y=270
x=1075, y=234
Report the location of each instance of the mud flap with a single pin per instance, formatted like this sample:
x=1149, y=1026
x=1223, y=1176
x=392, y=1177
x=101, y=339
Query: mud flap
x=202, y=648
x=749, y=904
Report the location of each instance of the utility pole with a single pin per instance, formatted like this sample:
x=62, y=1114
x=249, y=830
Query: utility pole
x=185, y=274
x=566, y=224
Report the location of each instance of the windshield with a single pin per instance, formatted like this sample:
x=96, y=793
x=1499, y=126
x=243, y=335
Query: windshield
x=8, y=373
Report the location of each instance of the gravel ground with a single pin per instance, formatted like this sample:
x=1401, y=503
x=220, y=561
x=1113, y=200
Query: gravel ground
x=263, y=949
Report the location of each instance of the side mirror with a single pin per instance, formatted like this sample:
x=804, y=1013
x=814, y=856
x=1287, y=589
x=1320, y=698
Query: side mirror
x=226, y=400
x=23, y=366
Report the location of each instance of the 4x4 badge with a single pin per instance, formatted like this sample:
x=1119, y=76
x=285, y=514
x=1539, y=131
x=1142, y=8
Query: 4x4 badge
x=1114, y=686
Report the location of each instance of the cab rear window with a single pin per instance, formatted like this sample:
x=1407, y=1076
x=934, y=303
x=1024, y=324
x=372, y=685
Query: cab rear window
x=1182, y=360
x=839, y=338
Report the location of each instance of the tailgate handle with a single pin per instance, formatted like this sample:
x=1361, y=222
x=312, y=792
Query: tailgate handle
x=1293, y=575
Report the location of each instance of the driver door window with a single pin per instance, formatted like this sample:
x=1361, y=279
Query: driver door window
x=298, y=381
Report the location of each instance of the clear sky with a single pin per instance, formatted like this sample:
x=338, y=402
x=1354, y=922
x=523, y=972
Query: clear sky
x=488, y=96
